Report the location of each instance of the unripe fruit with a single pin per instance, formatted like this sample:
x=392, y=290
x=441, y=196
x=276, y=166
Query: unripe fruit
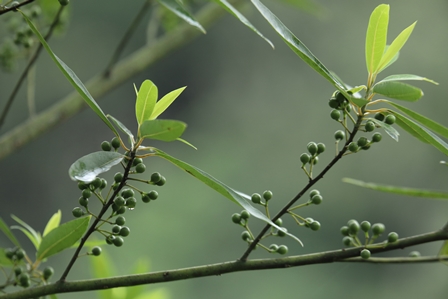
x=378, y=229
x=305, y=158
x=390, y=119
x=125, y=231
x=116, y=229
x=153, y=195
x=145, y=198
x=339, y=135
x=119, y=201
x=96, y=183
x=64, y=2
x=333, y=103
x=236, y=218
x=315, y=160
x=105, y=146
x=115, y=142
x=82, y=185
x=137, y=161
x=10, y=253
x=245, y=235
x=315, y=225
x=267, y=195
x=379, y=116
x=282, y=249
x=335, y=114
x=344, y=230
x=369, y=126
x=156, y=177
x=279, y=222
x=96, y=251
x=161, y=182
x=47, y=272
x=118, y=177
x=140, y=168
x=365, y=254
x=320, y=148
x=20, y=254
x=308, y=221
x=83, y=201
x=131, y=202
x=314, y=192
x=317, y=199
x=77, y=212
x=103, y=184
x=273, y=247
x=120, y=220
x=126, y=193
x=86, y=193
x=256, y=198
x=312, y=148
x=121, y=210
x=353, y=147
x=347, y=241
x=353, y=227
x=282, y=233
x=118, y=241
x=366, y=147
x=362, y=141
x=340, y=97
x=365, y=226
x=376, y=137
x=245, y=214
x=18, y=271
x=392, y=237
x=110, y=239
x=24, y=279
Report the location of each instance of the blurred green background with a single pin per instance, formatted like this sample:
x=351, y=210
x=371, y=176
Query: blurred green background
x=251, y=111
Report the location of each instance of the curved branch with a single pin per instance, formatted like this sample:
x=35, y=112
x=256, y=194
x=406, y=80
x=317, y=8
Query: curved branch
x=340, y=255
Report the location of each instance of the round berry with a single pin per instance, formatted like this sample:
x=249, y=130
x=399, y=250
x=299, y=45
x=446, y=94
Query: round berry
x=245, y=235
x=20, y=254
x=48, y=272
x=115, y=142
x=365, y=226
x=365, y=254
x=105, y=146
x=145, y=198
x=347, y=241
x=317, y=199
x=273, y=247
x=339, y=135
x=116, y=229
x=314, y=192
x=119, y=201
x=366, y=147
x=376, y=137
x=161, y=182
x=137, y=161
x=64, y=2
x=245, y=214
x=83, y=201
x=282, y=249
x=344, y=230
x=156, y=177
x=353, y=227
x=390, y=119
x=279, y=222
x=320, y=148
x=24, y=279
x=86, y=193
x=118, y=177
x=308, y=221
x=77, y=212
x=118, y=241
x=312, y=148
x=369, y=126
x=103, y=184
x=267, y=195
x=131, y=202
x=96, y=183
x=236, y=218
x=315, y=225
x=392, y=237
x=124, y=231
x=10, y=253
x=378, y=229
x=333, y=103
x=315, y=160
x=121, y=210
x=305, y=158
x=353, y=147
x=120, y=220
x=335, y=114
x=362, y=141
x=379, y=116
x=140, y=168
x=281, y=233
x=414, y=254
x=126, y=193
x=18, y=271
x=340, y=97
x=256, y=198
x=96, y=251
x=110, y=239
x=82, y=185
x=153, y=195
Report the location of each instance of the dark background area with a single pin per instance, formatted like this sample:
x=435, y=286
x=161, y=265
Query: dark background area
x=250, y=111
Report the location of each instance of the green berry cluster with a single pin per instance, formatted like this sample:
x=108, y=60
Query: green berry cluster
x=388, y=119
x=107, y=146
x=339, y=102
x=257, y=198
x=353, y=227
x=314, y=150
x=15, y=254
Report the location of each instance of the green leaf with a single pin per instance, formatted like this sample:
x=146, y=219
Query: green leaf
x=62, y=237
x=71, y=77
x=5, y=229
x=162, y=129
x=34, y=236
x=186, y=142
x=233, y=11
x=146, y=101
x=399, y=190
x=88, y=167
x=391, y=61
x=426, y=134
x=407, y=77
x=376, y=37
x=429, y=123
x=398, y=90
x=392, y=51
x=237, y=197
x=4, y=261
x=181, y=11
x=124, y=129
x=54, y=222
x=387, y=128
x=408, y=129
x=165, y=102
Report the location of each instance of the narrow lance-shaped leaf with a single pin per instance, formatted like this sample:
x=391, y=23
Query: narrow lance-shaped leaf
x=162, y=129
x=88, y=167
x=146, y=101
x=387, y=128
x=376, y=37
x=5, y=229
x=181, y=11
x=399, y=190
x=124, y=129
x=32, y=235
x=221, y=188
x=71, y=77
x=395, y=58
x=165, y=102
x=54, y=222
x=398, y=90
x=62, y=237
x=429, y=123
x=409, y=130
x=233, y=11
x=395, y=47
x=407, y=77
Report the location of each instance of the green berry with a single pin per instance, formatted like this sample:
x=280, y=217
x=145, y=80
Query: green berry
x=365, y=226
x=119, y=201
x=362, y=141
x=279, y=222
x=10, y=253
x=161, y=182
x=340, y=97
x=314, y=192
x=344, y=231
x=366, y=147
x=390, y=119
x=96, y=183
x=365, y=254
x=146, y=198
x=320, y=148
x=126, y=193
x=267, y=195
x=20, y=254
x=24, y=279
x=64, y=2
x=273, y=247
x=77, y=212
x=18, y=270
x=282, y=249
x=339, y=135
x=414, y=254
x=118, y=241
x=236, y=218
x=315, y=225
x=308, y=221
x=282, y=233
x=353, y=227
x=131, y=202
x=103, y=184
x=317, y=199
x=347, y=241
x=121, y=210
x=82, y=185
x=96, y=251
x=376, y=137
x=378, y=229
x=305, y=158
x=47, y=272
x=140, y=168
x=369, y=126
x=116, y=229
x=115, y=142
x=245, y=235
x=333, y=103
x=156, y=177
x=118, y=177
x=353, y=147
x=312, y=148
x=153, y=195
x=86, y=193
x=137, y=161
x=115, y=186
x=379, y=116
x=256, y=198
x=110, y=239
x=335, y=114
x=83, y=201
x=245, y=214
x=120, y=220
x=105, y=146
x=124, y=231
x=315, y=160
x=392, y=237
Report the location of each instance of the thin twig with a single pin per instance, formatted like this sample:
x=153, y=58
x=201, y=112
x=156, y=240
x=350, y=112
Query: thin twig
x=15, y=7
